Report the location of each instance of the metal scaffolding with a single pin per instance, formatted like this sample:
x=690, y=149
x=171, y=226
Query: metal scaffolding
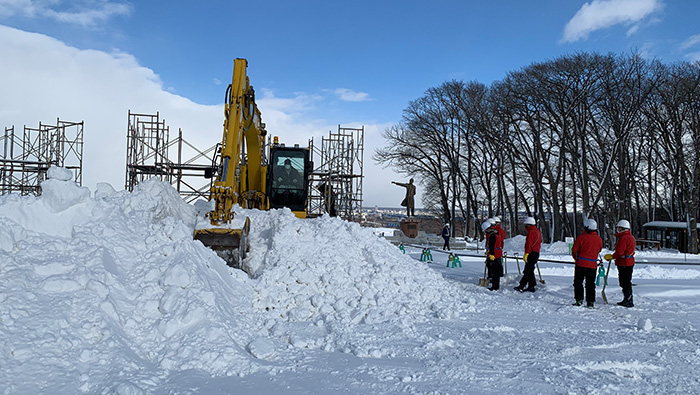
x=25, y=161
x=148, y=154
x=341, y=168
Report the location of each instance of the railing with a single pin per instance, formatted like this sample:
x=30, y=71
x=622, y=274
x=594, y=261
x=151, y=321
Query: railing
x=648, y=244
x=517, y=256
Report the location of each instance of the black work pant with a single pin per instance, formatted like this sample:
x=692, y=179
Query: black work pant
x=584, y=273
x=495, y=272
x=528, y=279
x=446, y=246
x=624, y=274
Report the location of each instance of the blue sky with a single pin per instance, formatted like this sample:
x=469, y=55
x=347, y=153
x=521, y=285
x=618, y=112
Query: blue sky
x=317, y=64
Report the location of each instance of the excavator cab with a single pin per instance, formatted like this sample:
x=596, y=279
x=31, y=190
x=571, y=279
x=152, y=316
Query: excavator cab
x=288, y=179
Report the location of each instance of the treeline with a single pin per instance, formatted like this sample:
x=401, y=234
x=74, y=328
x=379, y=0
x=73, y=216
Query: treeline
x=584, y=135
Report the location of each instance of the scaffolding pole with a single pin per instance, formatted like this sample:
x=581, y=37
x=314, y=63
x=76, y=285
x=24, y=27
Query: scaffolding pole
x=25, y=161
x=151, y=153
x=336, y=183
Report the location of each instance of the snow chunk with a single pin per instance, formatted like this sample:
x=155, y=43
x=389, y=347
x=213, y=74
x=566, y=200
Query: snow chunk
x=104, y=190
x=58, y=285
x=644, y=324
x=261, y=348
x=59, y=173
x=60, y=193
x=177, y=275
x=126, y=388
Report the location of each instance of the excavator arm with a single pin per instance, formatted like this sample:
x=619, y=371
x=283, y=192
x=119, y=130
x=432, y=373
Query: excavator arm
x=243, y=171
x=240, y=177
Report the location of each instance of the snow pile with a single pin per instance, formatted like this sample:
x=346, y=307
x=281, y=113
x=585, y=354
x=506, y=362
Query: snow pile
x=95, y=289
x=558, y=247
x=514, y=245
x=113, y=285
x=660, y=272
x=338, y=274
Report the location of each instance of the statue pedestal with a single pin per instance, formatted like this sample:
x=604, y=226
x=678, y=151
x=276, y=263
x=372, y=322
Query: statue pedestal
x=409, y=227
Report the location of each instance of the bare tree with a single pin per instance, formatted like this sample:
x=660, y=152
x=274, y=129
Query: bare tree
x=605, y=136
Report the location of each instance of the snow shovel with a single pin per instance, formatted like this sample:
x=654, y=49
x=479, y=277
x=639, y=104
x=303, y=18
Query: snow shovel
x=538, y=272
x=605, y=299
x=517, y=261
x=484, y=282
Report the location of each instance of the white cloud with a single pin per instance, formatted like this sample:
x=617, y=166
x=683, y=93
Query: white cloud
x=350, y=95
x=44, y=79
x=693, y=56
x=86, y=13
x=9, y=8
x=691, y=41
x=601, y=14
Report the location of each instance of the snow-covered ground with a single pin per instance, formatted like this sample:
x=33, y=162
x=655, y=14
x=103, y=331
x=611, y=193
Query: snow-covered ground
x=107, y=293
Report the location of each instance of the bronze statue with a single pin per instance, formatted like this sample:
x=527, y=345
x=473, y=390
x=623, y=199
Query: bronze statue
x=408, y=200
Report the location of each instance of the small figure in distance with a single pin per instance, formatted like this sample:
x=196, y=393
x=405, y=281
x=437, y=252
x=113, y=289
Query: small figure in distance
x=446, y=236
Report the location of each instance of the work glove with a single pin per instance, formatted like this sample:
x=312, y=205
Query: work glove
x=525, y=257
x=491, y=257
x=608, y=257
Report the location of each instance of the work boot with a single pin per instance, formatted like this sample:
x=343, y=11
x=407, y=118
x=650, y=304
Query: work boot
x=590, y=305
x=577, y=303
x=530, y=289
x=628, y=304
x=627, y=301
x=519, y=288
x=624, y=300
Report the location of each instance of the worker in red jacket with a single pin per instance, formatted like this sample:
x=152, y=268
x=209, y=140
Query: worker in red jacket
x=496, y=224
x=624, y=260
x=494, y=252
x=500, y=230
x=585, y=252
x=533, y=242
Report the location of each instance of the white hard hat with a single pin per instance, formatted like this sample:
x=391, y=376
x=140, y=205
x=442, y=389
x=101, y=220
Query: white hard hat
x=497, y=219
x=591, y=224
x=492, y=221
x=529, y=221
x=624, y=224
x=485, y=225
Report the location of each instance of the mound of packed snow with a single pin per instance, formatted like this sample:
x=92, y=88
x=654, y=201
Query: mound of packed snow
x=514, y=245
x=558, y=247
x=337, y=274
x=113, y=286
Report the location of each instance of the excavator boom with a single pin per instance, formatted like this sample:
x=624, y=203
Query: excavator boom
x=244, y=176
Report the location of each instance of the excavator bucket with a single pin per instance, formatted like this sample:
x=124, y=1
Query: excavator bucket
x=230, y=244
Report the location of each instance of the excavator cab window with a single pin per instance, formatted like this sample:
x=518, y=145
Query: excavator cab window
x=288, y=178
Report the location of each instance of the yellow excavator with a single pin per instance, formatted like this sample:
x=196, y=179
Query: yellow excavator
x=250, y=173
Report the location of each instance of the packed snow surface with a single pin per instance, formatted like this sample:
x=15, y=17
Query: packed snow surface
x=108, y=293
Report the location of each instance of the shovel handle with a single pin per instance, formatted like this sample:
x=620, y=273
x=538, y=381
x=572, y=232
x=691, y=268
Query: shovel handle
x=605, y=282
x=538, y=272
